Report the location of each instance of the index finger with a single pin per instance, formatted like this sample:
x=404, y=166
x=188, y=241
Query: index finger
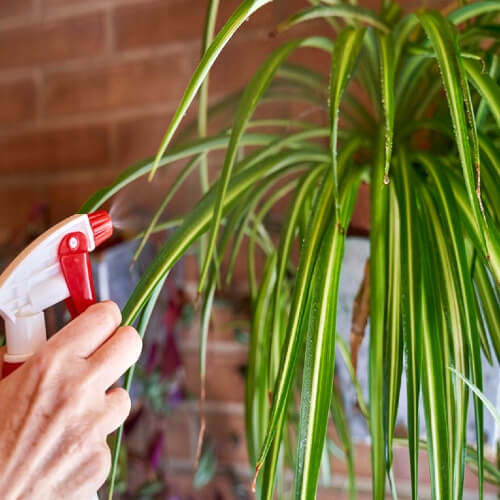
x=86, y=333
x=116, y=356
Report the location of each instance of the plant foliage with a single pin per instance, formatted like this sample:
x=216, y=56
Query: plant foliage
x=427, y=140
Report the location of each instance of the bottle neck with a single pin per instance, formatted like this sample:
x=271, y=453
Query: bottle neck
x=24, y=336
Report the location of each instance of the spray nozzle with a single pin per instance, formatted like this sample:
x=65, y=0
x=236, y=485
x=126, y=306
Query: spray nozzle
x=101, y=225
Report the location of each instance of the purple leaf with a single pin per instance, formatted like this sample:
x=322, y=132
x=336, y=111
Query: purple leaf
x=156, y=447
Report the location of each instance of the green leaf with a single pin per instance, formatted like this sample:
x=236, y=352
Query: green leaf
x=295, y=329
x=472, y=260
x=208, y=35
x=344, y=432
x=410, y=306
x=240, y=15
x=199, y=219
x=127, y=382
x=346, y=12
x=143, y=167
x=248, y=103
x=393, y=348
x=491, y=471
x=255, y=197
x=344, y=57
x=465, y=294
x=320, y=351
x=271, y=200
x=287, y=235
x=433, y=377
x=478, y=393
x=206, y=313
x=256, y=394
x=150, y=489
x=344, y=352
x=466, y=12
x=486, y=86
x=294, y=332
x=490, y=305
x=443, y=38
x=378, y=289
x=453, y=324
x=206, y=468
x=387, y=72
x=433, y=298
x=483, y=105
x=183, y=175
x=269, y=479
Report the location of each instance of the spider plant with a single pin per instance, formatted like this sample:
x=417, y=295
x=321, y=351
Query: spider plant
x=427, y=141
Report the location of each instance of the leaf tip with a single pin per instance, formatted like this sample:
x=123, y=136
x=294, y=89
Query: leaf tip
x=203, y=425
x=197, y=299
x=155, y=166
x=256, y=475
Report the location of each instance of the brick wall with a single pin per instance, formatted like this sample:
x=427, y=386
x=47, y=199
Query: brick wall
x=86, y=88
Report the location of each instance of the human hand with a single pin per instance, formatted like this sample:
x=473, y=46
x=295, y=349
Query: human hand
x=57, y=409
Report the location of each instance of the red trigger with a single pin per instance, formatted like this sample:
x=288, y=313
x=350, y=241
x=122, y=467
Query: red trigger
x=75, y=265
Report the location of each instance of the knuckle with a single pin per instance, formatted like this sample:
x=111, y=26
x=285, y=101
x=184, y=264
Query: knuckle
x=122, y=401
x=102, y=462
x=113, y=310
x=46, y=362
x=109, y=312
x=132, y=339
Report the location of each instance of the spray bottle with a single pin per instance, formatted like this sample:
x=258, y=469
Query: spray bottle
x=54, y=267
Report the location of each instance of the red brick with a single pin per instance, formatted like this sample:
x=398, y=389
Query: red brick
x=139, y=138
x=263, y=19
x=401, y=469
x=52, y=41
x=315, y=59
x=17, y=101
x=66, y=148
x=15, y=204
x=222, y=487
x=154, y=23
x=177, y=429
x=360, y=221
x=117, y=86
x=362, y=462
x=336, y=494
x=471, y=483
x=222, y=321
x=225, y=375
x=49, y=4
x=144, y=197
x=190, y=271
x=9, y=8
x=157, y=22
x=66, y=198
x=63, y=199
x=228, y=433
x=238, y=62
x=401, y=466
